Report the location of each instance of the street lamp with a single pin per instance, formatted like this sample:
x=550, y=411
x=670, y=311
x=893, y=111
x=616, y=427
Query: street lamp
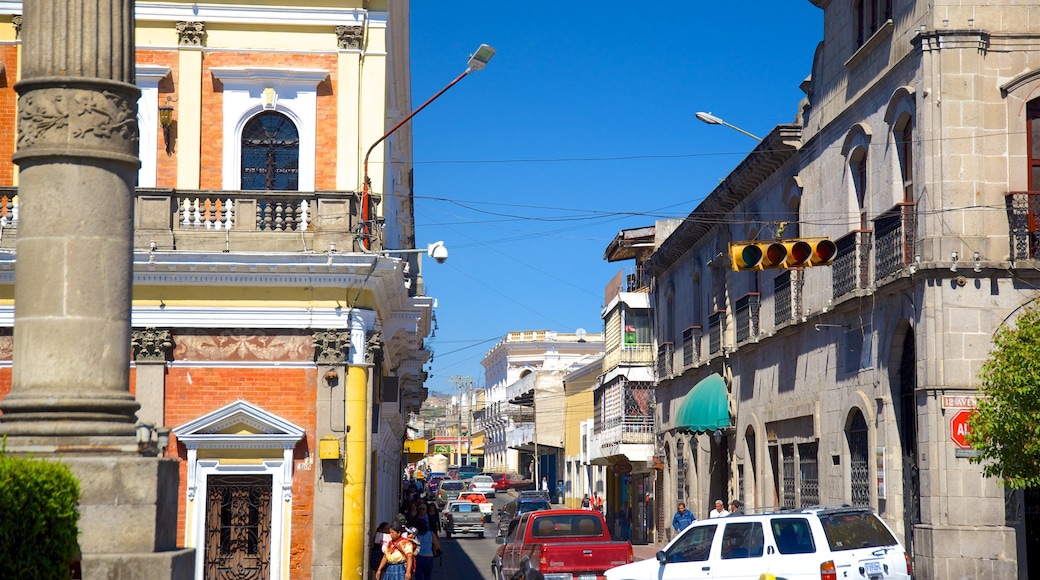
x=437, y=250
x=477, y=61
x=713, y=120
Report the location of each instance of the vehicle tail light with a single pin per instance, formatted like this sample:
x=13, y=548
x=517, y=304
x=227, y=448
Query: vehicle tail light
x=828, y=571
x=448, y=517
x=543, y=560
x=631, y=555
x=909, y=565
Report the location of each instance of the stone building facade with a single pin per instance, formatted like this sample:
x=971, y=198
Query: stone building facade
x=916, y=151
x=268, y=344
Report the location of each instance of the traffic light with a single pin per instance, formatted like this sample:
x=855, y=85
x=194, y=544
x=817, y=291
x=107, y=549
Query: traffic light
x=775, y=254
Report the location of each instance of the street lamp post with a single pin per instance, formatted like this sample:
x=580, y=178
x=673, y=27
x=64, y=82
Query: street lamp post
x=477, y=61
x=713, y=120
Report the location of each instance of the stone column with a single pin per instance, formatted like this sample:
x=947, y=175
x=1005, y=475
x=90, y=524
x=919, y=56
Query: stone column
x=77, y=154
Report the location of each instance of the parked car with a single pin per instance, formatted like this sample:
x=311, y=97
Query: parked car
x=463, y=518
x=532, y=494
x=484, y=484
x=468, y=471
x=812, y=543
x=512, y=511
x=560, y=544
x=504, y=481
x=449, y=489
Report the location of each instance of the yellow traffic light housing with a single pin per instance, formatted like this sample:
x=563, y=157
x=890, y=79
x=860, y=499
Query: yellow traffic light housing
x=776, y=254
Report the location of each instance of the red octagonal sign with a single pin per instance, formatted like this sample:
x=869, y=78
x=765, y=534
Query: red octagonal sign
x=959, y=428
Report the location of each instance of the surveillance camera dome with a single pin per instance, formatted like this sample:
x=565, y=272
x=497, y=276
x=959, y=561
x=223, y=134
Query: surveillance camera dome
x=438, y=252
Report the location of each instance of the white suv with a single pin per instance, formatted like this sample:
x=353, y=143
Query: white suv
x=818, y=543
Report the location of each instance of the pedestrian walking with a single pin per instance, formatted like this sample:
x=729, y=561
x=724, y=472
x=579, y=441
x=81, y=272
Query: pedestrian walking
x=597, y=503
x=433, y=518
x=736, y=508
x=379, y=541
x=398, y=560
x=682, y=518
x=429, y=548
x=624, y=516
x=586, y=503
x=719, y=511
x=545, y=486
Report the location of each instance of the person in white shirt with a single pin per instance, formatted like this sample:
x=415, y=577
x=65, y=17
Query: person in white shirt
x=719, y=511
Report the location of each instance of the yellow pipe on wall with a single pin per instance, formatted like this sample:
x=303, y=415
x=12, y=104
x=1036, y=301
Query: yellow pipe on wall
x=355, y=473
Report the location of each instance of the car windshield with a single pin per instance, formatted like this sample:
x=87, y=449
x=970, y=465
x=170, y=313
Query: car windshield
x=464, y=507
x=849, y=531
x=566, y=526
x=530, y=506
x=483, y=479
x=452, y=485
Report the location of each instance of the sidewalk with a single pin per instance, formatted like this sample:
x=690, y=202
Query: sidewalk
x=645, y=551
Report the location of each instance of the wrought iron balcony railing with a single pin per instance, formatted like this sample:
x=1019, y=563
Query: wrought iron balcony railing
x=716, y=331
x=852, y=265
x=894, y=233
x=691, y=346
x=747, y=316
x=665, y=359
x=1023, y=210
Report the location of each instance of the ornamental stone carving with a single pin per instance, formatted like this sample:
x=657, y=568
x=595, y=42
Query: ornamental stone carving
x=374, y=349
x=72, y=119
x=151, y=345
x=331, y=347
x=190, y=33
x=16, y=20
x=350, y=37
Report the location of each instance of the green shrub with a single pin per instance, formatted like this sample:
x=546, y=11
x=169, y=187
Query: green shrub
x=38, y=518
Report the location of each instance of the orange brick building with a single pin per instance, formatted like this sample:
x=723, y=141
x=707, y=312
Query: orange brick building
x=263, y=329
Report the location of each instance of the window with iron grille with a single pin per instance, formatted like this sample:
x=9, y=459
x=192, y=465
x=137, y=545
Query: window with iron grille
x=788, y=500
x=680, y=471
x=871, y=15
x=747, y=317
x=782, y=298
x=665, y=355
x=859, y=460
x=715, y=330
x=270, y=153
x=691, y=346
x=850, y=266
x=808, y=474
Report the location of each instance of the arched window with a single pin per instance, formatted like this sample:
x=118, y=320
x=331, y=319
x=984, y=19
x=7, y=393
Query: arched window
x=858, y=171
x=681, y=481
x=1033, y=142
x=270, y=153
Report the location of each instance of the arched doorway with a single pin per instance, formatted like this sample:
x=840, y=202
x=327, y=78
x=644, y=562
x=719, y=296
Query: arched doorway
x=859, y=459
x=906, y=422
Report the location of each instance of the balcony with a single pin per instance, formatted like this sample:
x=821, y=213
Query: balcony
x=628, y=355
x=852, y=265
x=627, y=417
x=665, y=356
x=1023, y=209
x=716, y=331
x=691, y=346
x=787, y=296
x=747, y=317
x=894, y=233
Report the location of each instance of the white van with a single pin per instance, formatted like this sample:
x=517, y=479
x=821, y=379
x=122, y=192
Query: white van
x=813, y=543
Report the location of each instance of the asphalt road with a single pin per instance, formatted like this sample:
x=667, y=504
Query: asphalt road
x=468, y=557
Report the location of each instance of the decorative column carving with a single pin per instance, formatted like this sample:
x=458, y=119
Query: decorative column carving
x=190, y=33
x=77, y=148
x=374, y=349
x=151, y=345
x=16, y=20
x=350, y=37
x=331, y=346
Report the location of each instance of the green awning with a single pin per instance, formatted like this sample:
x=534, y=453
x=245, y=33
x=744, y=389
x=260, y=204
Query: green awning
x=705, y=407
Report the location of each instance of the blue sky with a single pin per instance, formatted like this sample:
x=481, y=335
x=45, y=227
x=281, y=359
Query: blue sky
x=582, y=125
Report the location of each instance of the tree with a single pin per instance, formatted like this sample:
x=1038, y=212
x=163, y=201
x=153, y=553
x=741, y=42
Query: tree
x=1006, y=429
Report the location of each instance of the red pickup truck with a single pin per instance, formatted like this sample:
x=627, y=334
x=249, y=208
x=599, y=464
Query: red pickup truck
x=561, y=544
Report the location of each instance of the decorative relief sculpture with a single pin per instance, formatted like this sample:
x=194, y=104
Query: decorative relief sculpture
x=151, y=344
x=190, y=33
x=374, y=349
x=233, y=345
x=16, y=20
x=60, y=117
x=349, y=37
x=331, y=346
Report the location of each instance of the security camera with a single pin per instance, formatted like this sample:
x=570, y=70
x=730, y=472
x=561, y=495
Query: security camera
x=438, y=252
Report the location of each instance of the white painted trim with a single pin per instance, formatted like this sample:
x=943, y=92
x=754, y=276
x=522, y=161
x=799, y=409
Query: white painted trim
x=231, y=317
x=241, y=14
x=148, y=78
x=296, y=96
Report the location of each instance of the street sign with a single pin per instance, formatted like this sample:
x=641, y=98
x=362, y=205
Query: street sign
x=959, y=428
